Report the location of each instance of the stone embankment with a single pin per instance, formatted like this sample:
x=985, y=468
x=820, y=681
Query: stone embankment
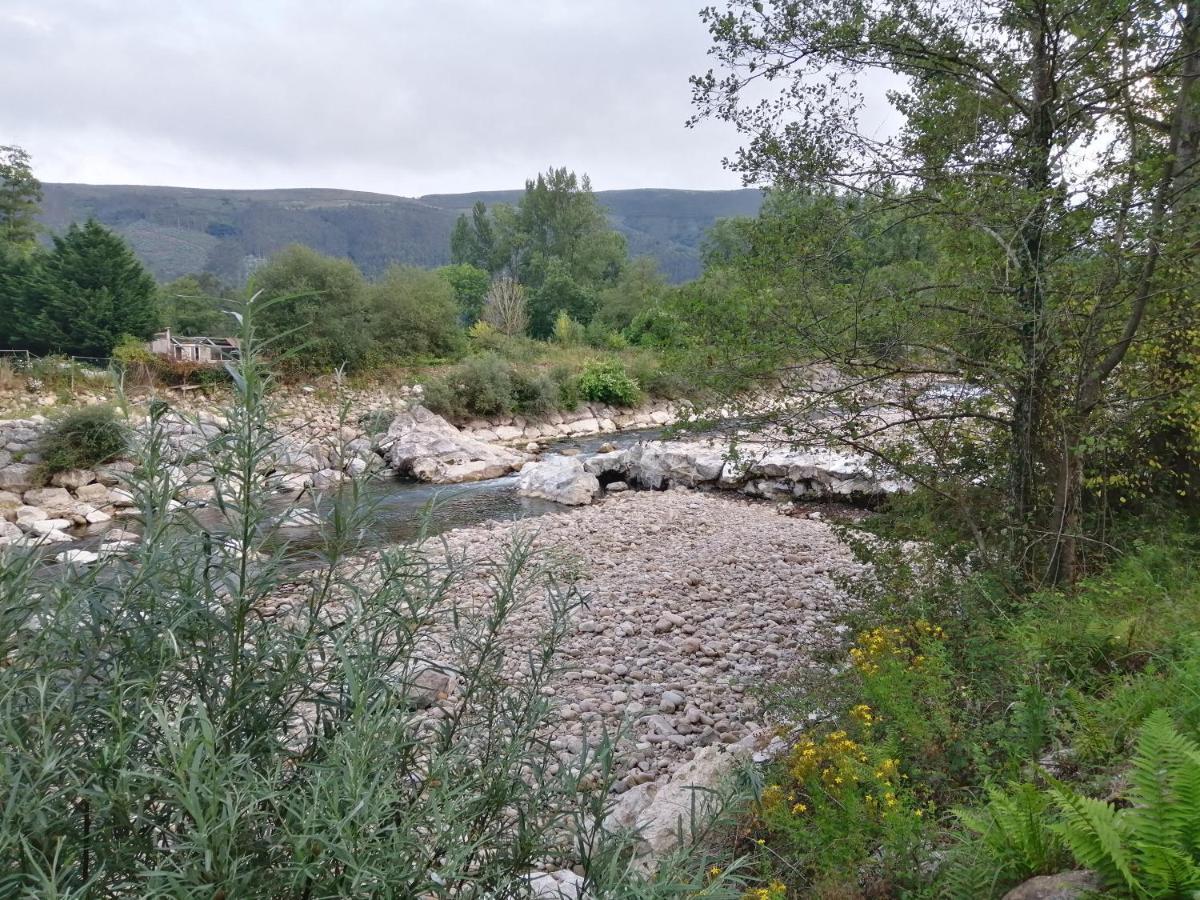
x=588, y=419
x=37, y=513
x=313, y=449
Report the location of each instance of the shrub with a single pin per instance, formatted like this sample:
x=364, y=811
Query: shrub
x=483, y=334
x=83, y=438
x=604, y=337
x=131, y=351
x=10, y=380
x=179, y=372
x=133, y=358
x=567, y=332
x=608, y=382
x=534, y=393
x=566, y=380
x=443, y=397
x=479, y=386
x=486, y=385
x=377, y=421
x=660, y=381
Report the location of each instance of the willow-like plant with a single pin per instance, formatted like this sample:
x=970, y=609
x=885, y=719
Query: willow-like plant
x=217, y=713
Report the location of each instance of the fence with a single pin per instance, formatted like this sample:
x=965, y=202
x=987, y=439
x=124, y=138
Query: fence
x=18, y=359
x=86, y=367
x=23, y=359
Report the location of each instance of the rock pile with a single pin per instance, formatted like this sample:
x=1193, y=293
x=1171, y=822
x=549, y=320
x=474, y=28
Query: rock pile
x=76, y=500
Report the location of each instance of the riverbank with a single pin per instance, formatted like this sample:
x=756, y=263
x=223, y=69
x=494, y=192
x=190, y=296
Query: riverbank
x=693, y=601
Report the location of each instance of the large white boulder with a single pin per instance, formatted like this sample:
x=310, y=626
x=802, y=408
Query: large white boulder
x=18, y=477
x=562, y=479
x=818, y=474
x=78, y=557
x=55, y=501
x=422, y=444
x=660, y=811
x=73, y=478
x=761, y=471
x=94, y=493
x=656, y=464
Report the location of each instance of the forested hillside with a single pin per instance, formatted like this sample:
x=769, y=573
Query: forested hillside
x=178, y=231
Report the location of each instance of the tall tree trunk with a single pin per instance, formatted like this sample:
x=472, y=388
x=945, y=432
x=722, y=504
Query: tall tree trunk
x=1175, y=442
x=1027, y=454
x=1175, y=206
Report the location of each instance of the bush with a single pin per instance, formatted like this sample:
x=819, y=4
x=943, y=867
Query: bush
x=131, y=351
x=608, y=382
x=443, y=397
x=377, y=421
x=660, y=381
x=567, y=332
x=535, y=393
x=566, y=380
x=82, y=439
x=486, y=385
x=133, y=358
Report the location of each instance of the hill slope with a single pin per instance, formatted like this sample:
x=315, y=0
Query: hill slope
x=177, y=231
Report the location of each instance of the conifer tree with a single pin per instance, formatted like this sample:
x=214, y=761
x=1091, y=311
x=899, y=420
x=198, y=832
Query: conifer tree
x=89, y=292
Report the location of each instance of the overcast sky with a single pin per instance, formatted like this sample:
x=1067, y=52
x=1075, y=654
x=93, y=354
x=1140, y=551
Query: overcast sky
x=397, y=96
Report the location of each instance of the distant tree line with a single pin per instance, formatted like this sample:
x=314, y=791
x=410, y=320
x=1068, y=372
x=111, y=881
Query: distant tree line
x=548, y=267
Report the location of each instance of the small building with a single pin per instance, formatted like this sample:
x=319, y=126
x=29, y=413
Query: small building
x=203, y=351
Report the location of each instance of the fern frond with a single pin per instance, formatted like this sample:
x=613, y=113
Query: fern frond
x=1165, y=871
x=1013, y=825
x=1092, y=830
x=1162, y=755
x=1187, y=792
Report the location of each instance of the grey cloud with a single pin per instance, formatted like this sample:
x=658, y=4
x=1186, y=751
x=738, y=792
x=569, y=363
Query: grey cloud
x=399, y=97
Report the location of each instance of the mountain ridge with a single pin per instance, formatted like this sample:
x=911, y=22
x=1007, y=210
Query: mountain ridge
x=182, y=230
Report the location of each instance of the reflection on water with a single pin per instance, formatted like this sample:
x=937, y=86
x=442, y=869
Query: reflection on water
x=402, y=508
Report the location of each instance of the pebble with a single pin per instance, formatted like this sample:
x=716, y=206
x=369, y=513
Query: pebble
x=644, y=655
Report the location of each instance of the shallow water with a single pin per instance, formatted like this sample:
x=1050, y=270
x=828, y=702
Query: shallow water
x=403, y=508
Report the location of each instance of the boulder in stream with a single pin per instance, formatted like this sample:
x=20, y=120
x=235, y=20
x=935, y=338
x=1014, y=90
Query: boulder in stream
x=422, y=444
x=562, y=479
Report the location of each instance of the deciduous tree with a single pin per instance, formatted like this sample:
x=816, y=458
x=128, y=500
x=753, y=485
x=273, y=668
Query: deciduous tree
x=1033, y=145
x=506, y=308
x=413, y=312
x=321, y=318
x=20, y=197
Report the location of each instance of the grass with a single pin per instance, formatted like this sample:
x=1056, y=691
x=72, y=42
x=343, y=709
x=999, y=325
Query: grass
x=83, y=438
